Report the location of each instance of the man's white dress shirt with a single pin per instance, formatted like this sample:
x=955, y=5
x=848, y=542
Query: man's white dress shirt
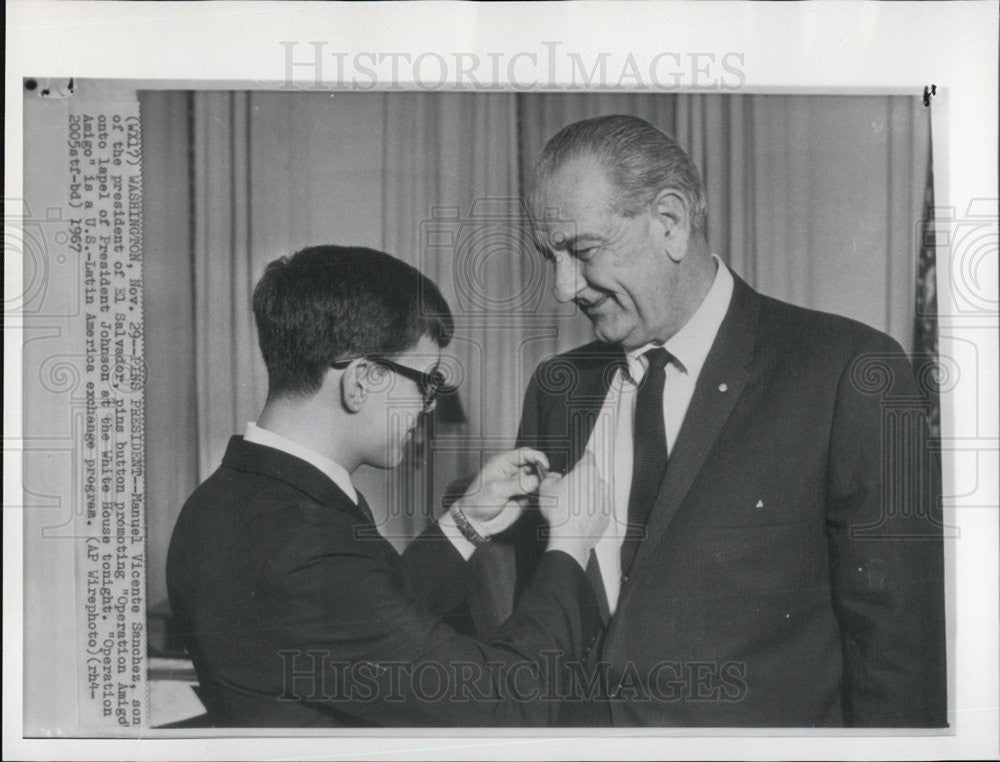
x=611, y=440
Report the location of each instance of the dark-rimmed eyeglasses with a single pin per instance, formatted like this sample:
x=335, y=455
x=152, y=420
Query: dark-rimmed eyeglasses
x=430, y=385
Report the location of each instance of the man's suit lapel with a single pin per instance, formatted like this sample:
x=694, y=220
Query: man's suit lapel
x=590, y=375
x=719, y=387
x=590, y=378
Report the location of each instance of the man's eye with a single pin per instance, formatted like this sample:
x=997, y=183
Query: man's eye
x=585, y=254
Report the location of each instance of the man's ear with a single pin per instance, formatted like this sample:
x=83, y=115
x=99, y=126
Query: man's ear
x=671, y=211
x=354, y=385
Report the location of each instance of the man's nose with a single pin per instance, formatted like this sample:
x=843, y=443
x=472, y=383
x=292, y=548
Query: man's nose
x=569, y=278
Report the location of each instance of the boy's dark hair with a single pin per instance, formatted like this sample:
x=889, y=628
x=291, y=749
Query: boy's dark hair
x=330, y=303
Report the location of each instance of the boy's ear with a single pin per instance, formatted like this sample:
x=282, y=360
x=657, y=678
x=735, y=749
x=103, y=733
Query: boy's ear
x=354, y=385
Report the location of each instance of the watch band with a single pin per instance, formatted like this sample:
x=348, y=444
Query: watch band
x=465, y=526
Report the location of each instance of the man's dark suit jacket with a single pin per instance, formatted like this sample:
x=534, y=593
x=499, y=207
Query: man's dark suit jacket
x=298, y=613
x=791, y=574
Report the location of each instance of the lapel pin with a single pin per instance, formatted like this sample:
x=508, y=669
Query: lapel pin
x=760, y=504
x=723, y=387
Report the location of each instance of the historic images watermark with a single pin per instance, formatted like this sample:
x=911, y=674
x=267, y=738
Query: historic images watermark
x=316, y=675
x=315, y=65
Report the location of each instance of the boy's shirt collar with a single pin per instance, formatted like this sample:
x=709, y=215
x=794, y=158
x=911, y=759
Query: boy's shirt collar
x=337, y=473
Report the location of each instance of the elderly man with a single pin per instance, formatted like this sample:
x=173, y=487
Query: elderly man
x=775, y=556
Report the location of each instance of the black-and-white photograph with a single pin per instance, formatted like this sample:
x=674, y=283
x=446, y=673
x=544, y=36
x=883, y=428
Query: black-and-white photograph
x=612, y=407
x=757, y=543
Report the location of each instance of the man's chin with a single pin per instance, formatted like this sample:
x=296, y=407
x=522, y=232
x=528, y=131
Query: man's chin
x=610, y=332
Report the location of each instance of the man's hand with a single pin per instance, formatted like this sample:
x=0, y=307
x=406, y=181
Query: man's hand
x=577, y=507
x=496, y=497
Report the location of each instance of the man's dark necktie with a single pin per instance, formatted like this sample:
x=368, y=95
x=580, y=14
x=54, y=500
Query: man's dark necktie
x=649, y=453
x=597, y=582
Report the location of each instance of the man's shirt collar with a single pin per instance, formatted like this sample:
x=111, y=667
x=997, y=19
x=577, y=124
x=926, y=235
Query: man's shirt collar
x=337, y=473
x=691, y=344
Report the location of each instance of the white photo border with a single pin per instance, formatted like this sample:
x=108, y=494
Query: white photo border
x=819, y=47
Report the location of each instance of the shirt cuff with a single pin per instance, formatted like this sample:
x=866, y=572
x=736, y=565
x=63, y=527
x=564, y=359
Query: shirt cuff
x=450, y=530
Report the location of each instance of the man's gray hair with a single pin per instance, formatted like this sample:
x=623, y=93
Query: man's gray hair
x=640, y=160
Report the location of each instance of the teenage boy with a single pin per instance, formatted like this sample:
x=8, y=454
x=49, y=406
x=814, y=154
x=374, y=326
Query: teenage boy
x=296, y=610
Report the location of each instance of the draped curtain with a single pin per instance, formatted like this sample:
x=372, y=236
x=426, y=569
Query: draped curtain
x=448, y=159
x=228, y=372
x=812, y=199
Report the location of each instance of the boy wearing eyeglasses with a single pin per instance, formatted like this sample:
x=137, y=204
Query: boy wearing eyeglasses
x=296, y=611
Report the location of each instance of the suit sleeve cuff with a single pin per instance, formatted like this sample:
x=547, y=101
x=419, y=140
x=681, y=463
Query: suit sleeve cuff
x=581, y=560
x=450, y=530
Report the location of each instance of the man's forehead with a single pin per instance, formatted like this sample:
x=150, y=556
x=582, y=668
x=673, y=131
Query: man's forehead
x=573, y=201
x=573, y=177
x=554, y=232
x=580, y=182
x=566, y=227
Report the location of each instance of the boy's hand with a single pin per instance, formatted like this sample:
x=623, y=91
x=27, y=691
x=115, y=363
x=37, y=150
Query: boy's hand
x=497, y=496
x=577, y=507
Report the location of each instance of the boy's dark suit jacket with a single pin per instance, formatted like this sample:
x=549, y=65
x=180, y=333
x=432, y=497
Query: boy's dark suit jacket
x=298, y=613
x=792, y=569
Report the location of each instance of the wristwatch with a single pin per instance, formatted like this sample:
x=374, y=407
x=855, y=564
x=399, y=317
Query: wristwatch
x=465, y=526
